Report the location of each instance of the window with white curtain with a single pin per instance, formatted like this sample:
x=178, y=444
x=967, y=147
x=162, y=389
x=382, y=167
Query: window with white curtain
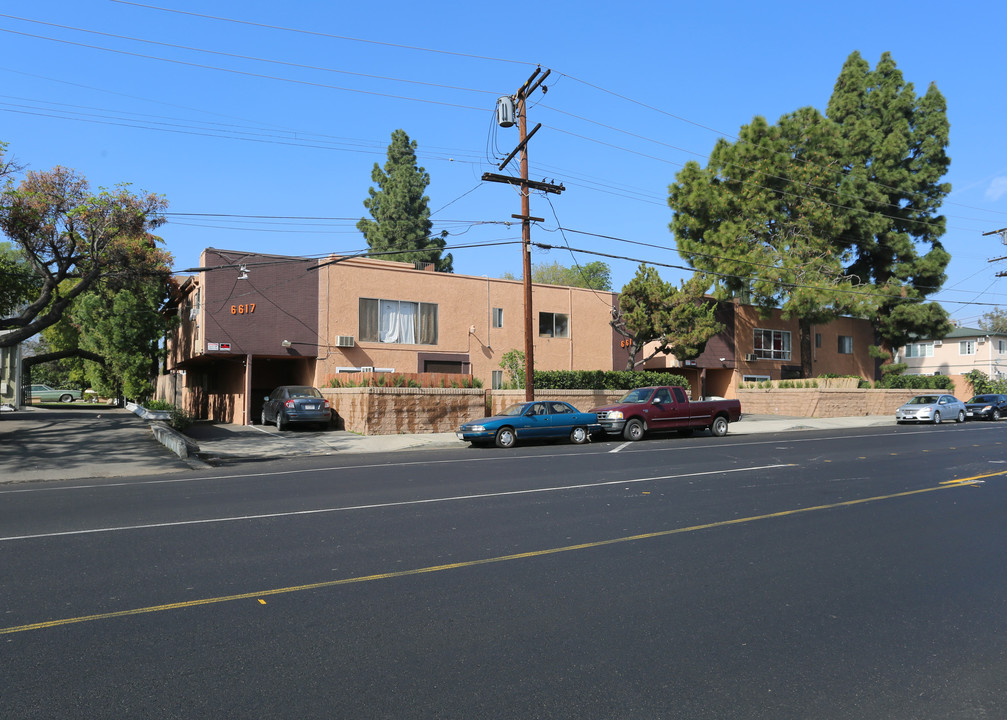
x=398, y=321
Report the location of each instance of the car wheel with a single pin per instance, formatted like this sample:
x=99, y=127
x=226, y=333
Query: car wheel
x=633, y=430
x=996, y=414
x=263, y=416
x=65, y=398
x=718, y=428
x=961, y=416
x=937, y=417
x=280, y=425
x=505, y=437
x=579, y=435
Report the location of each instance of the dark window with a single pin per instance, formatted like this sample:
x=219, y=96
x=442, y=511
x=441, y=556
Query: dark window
x=553, y=325
x=443, y=366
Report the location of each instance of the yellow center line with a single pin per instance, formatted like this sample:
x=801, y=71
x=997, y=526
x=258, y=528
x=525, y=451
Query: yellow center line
x=259, y=594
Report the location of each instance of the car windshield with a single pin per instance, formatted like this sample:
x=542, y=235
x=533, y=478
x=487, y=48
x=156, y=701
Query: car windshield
x=515, y=410
x=983, y=399
x=640, y=395
x=303, y=392
x=923, y=400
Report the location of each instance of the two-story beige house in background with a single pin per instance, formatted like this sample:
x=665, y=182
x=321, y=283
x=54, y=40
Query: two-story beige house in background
x=250, y=322
x=959, y=352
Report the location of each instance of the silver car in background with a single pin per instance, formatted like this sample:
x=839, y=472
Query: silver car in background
x=931, y=408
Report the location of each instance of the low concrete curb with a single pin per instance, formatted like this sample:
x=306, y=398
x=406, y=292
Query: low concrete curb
x=175, y=441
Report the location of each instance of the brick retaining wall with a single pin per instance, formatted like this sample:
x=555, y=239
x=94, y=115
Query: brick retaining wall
x=395, y=411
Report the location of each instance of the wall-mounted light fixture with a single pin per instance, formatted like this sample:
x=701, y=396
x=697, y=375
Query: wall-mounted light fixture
x=244, y=272
x=286, y=343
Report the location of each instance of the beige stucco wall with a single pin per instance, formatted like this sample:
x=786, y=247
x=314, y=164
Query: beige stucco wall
x=948, y=360
x=464, y=307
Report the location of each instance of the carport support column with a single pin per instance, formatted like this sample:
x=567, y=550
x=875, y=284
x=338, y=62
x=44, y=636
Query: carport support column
x=248, y=390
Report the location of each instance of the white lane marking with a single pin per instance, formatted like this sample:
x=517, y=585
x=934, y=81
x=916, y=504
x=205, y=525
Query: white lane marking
x=620, y=447
x=403, y=503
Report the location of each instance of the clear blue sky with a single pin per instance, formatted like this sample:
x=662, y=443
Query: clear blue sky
x=282, y=109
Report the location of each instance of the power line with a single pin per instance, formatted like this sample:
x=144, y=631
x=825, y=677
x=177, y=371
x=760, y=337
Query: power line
x=781, y=283
x=321, y=34
x=244, y=72
x=247, y=57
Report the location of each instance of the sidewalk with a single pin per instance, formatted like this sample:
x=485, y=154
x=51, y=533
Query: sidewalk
x=88, y=441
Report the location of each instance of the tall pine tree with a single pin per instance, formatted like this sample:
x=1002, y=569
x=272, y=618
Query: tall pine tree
x=823, y=215
x=400, y=209
x=894, y=158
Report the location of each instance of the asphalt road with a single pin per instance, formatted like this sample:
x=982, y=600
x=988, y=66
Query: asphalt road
x=844, y=574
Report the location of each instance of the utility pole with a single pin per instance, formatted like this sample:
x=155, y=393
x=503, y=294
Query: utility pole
x=1002, y=232
x=507, y=108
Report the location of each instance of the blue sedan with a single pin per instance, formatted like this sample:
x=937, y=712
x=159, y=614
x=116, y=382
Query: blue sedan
x=542, y=419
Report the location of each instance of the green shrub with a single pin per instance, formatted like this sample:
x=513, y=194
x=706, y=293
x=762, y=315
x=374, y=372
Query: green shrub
x=916, y=382
x=604, y=379
x=981, y=384
x=180, y=419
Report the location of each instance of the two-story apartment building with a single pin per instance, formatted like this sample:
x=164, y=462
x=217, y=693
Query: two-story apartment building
x=250, y=322
x=959, y=352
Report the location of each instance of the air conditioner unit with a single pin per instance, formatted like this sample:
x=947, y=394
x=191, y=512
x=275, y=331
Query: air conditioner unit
x=344, y=341
x=981, y=341
x=193, y=313
x=938, y=343
x=751, y=357
x=369, y=369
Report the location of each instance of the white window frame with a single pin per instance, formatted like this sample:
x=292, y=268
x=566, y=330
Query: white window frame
x=755, y=378
x=771, y=353
x=966, y=347
x=497, y=318
x=496, y=379
x=919, y=350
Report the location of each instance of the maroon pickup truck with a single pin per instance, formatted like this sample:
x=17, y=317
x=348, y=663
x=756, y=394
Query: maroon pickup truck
x=666, y=408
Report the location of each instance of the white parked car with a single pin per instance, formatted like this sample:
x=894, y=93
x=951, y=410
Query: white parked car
x=931, y=408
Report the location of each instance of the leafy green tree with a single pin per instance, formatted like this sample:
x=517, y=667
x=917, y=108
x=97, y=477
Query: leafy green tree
x=677, y=318
x=123, y=324
x=512, y=363
x=593, y=275
x=400, y=209
x=995, y=321
x=894, y=156
x=64, y=336
x=18, y=282
x=64, y=231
